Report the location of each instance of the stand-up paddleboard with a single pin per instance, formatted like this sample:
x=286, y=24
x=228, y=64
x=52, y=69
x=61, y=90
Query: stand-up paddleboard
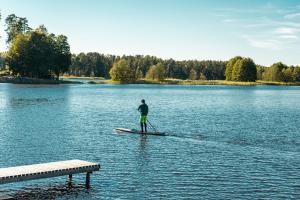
x=134, y=131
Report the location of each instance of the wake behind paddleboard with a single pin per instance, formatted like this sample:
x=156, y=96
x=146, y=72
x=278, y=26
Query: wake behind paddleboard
x=134, y=131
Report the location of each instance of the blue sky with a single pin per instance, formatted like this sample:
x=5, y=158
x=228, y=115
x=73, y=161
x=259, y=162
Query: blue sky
x=267, y=31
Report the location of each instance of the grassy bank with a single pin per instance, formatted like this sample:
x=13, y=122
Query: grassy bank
x=82, y=78
x=201, y=82
x=278, y=83
x=100, y=80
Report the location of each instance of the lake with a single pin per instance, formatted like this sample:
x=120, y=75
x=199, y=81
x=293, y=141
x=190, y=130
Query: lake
x=225, y=142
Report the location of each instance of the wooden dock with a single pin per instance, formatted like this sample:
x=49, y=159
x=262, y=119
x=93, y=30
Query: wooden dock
x=48, y=170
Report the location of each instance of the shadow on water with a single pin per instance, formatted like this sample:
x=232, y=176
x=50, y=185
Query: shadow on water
x=143, y=140
x=50, y=192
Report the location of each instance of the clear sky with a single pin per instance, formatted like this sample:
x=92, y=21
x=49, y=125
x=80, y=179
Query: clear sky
x=266, y=30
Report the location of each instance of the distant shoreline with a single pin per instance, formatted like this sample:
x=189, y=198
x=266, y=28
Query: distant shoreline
x=100, y=80
x=26, y=80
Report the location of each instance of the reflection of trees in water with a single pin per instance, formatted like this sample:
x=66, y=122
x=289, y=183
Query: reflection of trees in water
x=29, y=95
x=33, y=101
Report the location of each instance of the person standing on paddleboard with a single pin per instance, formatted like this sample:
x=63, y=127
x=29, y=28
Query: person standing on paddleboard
x=143, y=108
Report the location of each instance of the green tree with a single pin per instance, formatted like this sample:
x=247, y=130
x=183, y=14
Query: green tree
x=39, y=55
x=61, y=55
x=14, y=26
x=42, y=29
x=193, y=74
x=296, y=74
x=244, y=70
x=138, y=74
x=229, y=68
x=122, y=72
x=30, y=55
x=260, y=71
x=170, y=68
x=275, y=72
x=91, y=64
x=17, y=56
x=288, y=74
x=84, y=65
x=202, y=77
x=156, y=72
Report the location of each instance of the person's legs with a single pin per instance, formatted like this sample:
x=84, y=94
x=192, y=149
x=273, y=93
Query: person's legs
x=145, y=124
x=142, y=128
x=142, y=123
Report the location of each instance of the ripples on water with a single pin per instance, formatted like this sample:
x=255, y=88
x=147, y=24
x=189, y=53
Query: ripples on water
x=224, y=142
x=33, y=101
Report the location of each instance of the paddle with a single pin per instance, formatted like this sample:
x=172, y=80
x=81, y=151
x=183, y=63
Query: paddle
x=152, y=126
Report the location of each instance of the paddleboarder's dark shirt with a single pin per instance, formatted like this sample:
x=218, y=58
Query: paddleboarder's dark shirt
x=143, y=108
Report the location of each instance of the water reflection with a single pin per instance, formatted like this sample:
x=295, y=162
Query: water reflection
x=224, y=139
x=33, y=119
x=21, y=102
x=143, y=140
x=51, y=192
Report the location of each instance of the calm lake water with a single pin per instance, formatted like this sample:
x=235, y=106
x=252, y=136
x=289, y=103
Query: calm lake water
x=224, y=142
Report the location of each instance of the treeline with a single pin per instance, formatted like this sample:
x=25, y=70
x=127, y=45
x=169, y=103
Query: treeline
x=91, y=64
x=95, y=64
x=131, y=68
x=38, y=54
x=34, y=53
x=244, y=69
x=279, y=72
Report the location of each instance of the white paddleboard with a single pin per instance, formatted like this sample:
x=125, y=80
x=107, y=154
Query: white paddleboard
x=134, y=131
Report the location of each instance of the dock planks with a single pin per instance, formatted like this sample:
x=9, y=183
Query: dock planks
x=48, y=170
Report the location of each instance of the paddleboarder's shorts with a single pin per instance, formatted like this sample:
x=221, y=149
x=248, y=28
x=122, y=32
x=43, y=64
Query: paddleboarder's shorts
x=143, y=119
